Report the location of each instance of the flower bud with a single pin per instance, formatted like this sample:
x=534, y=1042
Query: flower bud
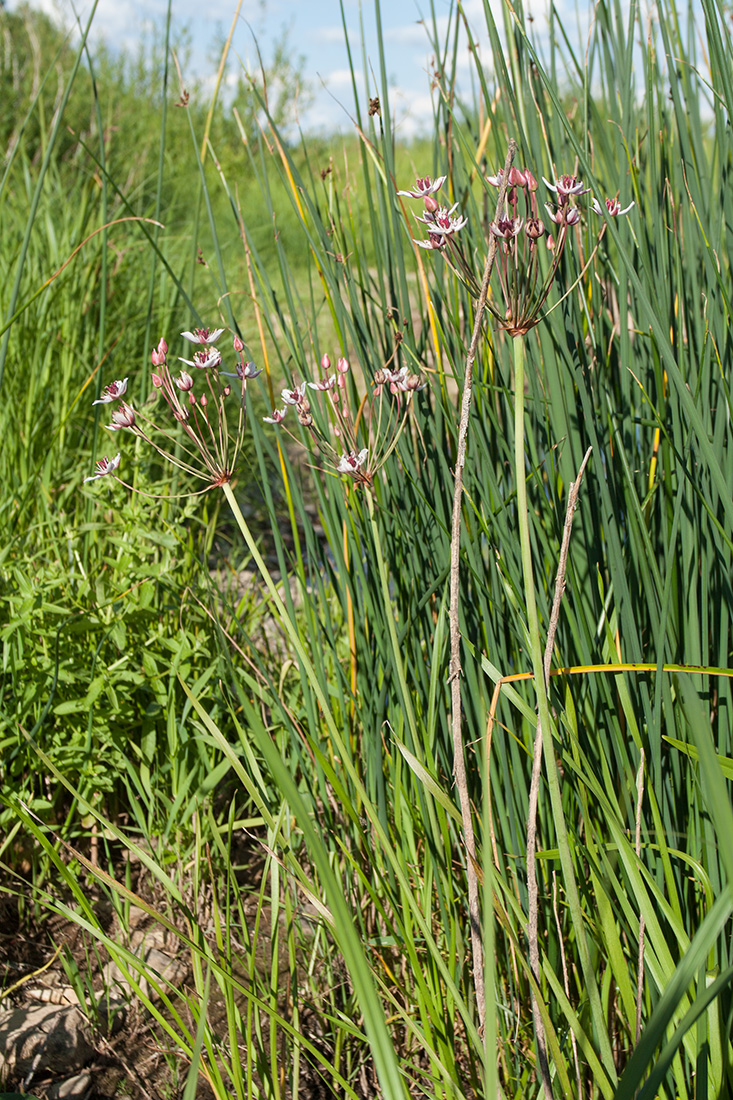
x=157, y=356
x=342, y=366
x=157, y=380
x=326, y=363
x=237, y=344
x=204, y=400
x=430, y=204
x=227, y=390
x=185, y=382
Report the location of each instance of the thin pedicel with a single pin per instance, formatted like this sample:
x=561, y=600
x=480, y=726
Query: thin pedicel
x=338, y=434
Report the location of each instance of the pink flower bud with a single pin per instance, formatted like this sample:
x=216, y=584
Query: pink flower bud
x=158, y=354
x=185, y=382
x=430, y=204
x=204, y=400
x=326, y=363
x=157, y=380
x=342, y=366
x=237, y=344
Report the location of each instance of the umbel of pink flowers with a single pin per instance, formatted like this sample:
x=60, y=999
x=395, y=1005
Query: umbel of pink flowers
x=525, y=278
x=199, y=440
x=339, y=436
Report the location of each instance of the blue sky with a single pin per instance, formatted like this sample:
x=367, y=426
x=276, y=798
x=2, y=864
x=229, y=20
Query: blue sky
x=316, y=32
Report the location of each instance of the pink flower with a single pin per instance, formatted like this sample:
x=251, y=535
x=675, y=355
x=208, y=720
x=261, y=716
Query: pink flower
x=435, y=240
x=352, y=463
x=204, y=359
x=397, y=379
x=294, y=397
x=112, y=392
x=277, y=416
x=424, y=186
x=124, y=417
x=249, y=370
x=244, y=371
x=506, y=228
x=324, y=383
x=613, y=206
x=564, y=215
x=104, y=466
x=203, y=335
x=443, y=221
x=566, y=186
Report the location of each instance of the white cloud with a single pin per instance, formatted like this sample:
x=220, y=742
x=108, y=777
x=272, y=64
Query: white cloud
x=332, y=34
x=412, y=34
x=341, y=78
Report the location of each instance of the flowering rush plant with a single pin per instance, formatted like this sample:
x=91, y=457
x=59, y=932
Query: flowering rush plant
x=525, y=272
x=338, y=434
x=199, y=440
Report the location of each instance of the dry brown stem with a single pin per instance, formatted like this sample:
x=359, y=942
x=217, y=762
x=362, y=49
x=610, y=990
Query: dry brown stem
x=459, y=762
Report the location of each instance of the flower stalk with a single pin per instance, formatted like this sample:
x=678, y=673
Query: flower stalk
x=546, y=722
x=337, y=434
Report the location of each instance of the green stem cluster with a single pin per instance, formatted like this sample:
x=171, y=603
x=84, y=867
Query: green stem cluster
x=545, y=717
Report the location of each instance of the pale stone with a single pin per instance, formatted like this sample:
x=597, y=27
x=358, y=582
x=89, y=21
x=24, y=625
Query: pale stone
x=71, y=1088
x=43, y=1037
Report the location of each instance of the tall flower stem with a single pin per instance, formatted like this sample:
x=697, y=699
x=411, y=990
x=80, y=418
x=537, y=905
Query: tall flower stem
x=545, y=720
x=459, y=760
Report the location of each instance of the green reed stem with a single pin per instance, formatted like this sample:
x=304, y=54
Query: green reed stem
x=375, y=1024
x=546, y=722
x=394, y=641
